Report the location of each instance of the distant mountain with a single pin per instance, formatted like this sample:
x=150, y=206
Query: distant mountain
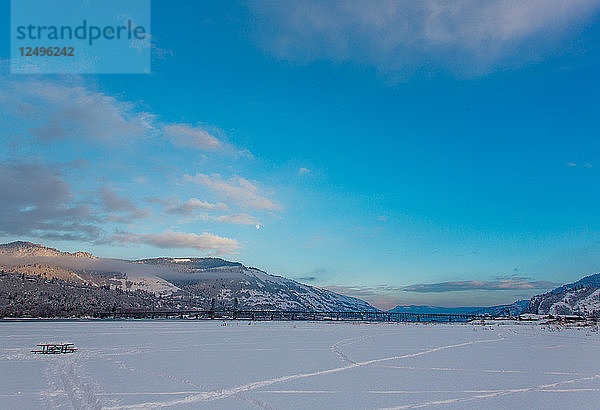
x=581, y=297
x=22, y=249
x=225, y=281
x=512, y=309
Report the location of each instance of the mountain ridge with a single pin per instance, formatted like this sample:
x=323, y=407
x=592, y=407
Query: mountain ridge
x=514, y=308
x=222, y=280
x=581, y=297
x=201, y=282
x=22, y=249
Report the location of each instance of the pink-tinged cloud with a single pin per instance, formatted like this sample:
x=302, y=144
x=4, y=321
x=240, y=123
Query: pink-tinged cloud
x=236, y=189
x=205, y=242
x=184, y=135
x=478, y=285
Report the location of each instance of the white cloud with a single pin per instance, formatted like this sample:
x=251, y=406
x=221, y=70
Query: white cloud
x=403, y=36
x=68, y=109
x=120, y=209
x=239, y=219
x=194, y=137
x=73, y=108
x=303, y=171
x=192, y=205
x=205, y=242
x=201, y=138
x=574, y=164
x=237, y=189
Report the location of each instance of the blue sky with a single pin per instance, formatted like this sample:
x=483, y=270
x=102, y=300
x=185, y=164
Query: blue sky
x=368, y=147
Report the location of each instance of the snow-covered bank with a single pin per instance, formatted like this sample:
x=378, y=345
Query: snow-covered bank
x=195, y=364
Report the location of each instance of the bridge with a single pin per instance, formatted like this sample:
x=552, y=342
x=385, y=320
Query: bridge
x=231, y=314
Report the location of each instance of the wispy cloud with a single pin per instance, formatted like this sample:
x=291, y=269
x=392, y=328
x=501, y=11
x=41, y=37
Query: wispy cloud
x=306, y=278
x=202, y=138
x=205, y=242
x=303, y=171
x=184, y=135
x=191, y=206
x=389, y=296
x=236, y=189
x=70, y=109
x=120, y=208
x=240, y=219
x=508, y=284
x=404, y=35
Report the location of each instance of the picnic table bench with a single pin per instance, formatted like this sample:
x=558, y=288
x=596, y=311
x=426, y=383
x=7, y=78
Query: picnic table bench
x=55, y=348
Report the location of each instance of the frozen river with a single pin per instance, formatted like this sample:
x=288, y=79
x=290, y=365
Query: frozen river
x=304, y=365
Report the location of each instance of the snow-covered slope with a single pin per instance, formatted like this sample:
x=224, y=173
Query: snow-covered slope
x=81, y=268
x=581, y=297
x=197, y=281
x=148, y=283
x=208, y=278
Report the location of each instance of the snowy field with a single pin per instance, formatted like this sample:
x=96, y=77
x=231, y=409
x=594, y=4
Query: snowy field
x=203, y=364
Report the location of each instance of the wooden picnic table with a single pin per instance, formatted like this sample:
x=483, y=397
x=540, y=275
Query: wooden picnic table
x=55, y=348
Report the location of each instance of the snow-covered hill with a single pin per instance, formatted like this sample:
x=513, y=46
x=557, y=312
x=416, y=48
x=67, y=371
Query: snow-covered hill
x=581, y=297
x=224, y=281
x=193, y=281
x=82, y=268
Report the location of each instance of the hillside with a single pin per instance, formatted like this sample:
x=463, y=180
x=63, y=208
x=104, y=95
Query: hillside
x=81, y=268
x=225, y=281
x=581, y=297
x=197, y=281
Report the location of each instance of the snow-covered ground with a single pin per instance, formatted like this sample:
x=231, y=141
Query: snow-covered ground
x=203, y=364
